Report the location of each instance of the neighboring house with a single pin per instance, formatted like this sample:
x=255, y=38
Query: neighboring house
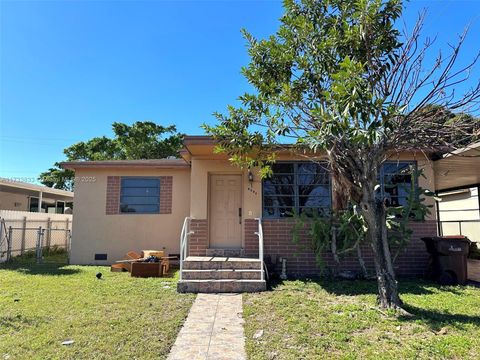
x=142, y=204
x=20, y=196
x=458, y=182
x=459, y=212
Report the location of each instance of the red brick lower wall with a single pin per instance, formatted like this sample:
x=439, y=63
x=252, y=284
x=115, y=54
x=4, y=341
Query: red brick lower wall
x=278, y=242
x=166, y=183
x=250, y=239
x=413, y=260
x=112, y=204
x=198, y=241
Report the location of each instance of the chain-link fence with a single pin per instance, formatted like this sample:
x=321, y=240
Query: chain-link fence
x=30, y=243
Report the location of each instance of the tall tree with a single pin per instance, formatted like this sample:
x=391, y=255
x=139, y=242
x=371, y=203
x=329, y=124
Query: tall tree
x=141, y=140
x=339, y=76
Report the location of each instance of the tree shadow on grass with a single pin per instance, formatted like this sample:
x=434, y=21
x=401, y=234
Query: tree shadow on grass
x=360, y=287
x=40, y=269
x=436, y=320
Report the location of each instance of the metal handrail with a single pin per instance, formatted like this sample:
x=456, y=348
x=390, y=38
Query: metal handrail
x=185, y=233
x=259, y=233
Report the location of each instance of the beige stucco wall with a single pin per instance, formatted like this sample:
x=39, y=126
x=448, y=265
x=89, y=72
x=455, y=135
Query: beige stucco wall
x=9, y=200
x=96, y=232
x=252, y=193
x=427, y=182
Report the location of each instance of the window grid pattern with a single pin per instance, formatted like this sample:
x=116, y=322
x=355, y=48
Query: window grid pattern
x=140, y=195
x=296, y=187
x=396, y=181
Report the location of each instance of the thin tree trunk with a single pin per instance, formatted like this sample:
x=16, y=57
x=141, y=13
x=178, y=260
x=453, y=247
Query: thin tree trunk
x=340, y=194
x=375, y=216
x=361, y=262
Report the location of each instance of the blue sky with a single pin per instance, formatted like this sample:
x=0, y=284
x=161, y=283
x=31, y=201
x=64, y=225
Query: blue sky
x=69, y=69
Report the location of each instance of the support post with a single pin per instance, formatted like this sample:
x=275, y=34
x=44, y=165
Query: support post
x=39, y=245
x=478, y=198
x=24, y=230
x=1, y=228
x=67, y=231
x=69, y=241
x=40, y=199
x=2, y=225
x=439, y=220
x=9, y=243
x=49, y=233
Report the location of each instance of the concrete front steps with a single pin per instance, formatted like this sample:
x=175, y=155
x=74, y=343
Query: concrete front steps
x=221, y=275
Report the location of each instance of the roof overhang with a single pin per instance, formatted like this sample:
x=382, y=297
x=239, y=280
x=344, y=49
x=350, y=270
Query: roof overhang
x=458, y=169
x=122, y=164
x=199, y=146
x=203, y=147
x=18, y=187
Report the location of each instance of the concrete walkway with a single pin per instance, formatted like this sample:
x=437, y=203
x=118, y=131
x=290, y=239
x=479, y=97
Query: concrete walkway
x=213, y=330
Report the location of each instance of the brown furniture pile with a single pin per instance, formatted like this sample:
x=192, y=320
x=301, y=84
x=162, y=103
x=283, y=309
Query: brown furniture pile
x=139, y=266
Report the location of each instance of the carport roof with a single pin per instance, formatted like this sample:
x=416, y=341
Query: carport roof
x=19, y=187
x=459, y=169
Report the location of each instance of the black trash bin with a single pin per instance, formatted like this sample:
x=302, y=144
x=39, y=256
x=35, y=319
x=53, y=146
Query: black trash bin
x=448, y=263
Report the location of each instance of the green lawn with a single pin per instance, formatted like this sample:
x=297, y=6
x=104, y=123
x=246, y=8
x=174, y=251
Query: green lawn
x=126, y=318
x=326, y=319
x=118, y=317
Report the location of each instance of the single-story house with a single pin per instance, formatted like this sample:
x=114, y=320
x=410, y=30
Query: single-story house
x=21, y=196
x=144, y=204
